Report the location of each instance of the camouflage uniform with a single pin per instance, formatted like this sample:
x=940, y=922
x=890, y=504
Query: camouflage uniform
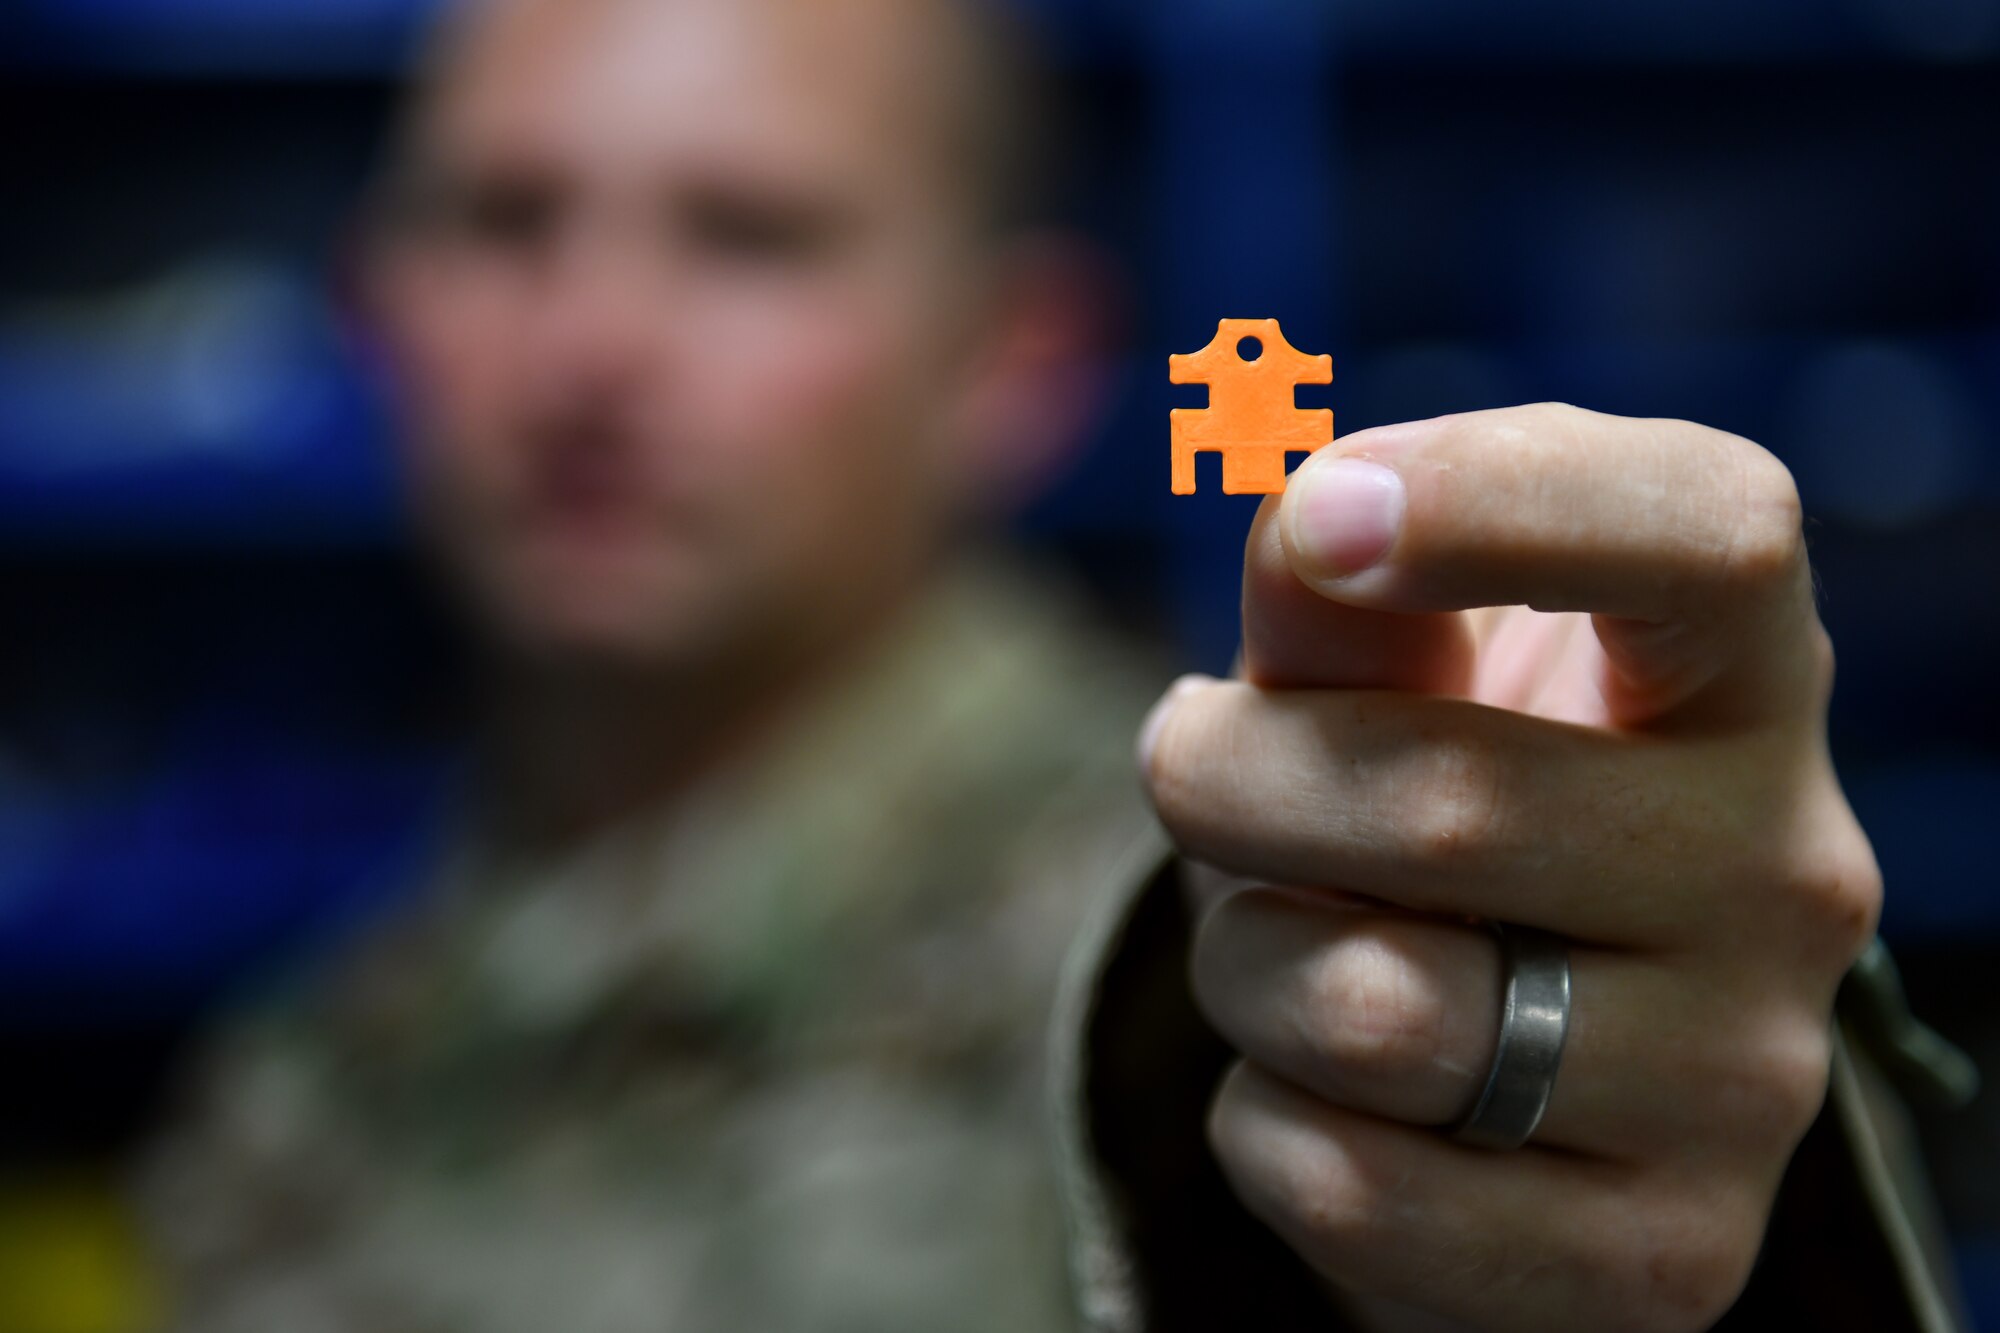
x=772, y=1059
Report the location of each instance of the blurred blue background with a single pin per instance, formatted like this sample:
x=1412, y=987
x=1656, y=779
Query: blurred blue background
x=225, y=697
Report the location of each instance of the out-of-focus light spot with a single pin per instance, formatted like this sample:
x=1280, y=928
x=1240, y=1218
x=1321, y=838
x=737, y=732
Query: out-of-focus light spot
x=1880, y=434
x=241, y=359
x=220, y=358
x=1935, y=29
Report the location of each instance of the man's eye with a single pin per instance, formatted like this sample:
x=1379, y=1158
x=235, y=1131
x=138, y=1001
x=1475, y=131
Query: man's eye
x=501, y=215
x=753, y=231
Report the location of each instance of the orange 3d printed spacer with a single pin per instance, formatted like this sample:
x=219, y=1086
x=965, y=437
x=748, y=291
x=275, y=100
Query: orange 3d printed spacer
x=1250, y=371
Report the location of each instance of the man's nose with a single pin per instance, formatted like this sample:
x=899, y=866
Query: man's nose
x=595, y=329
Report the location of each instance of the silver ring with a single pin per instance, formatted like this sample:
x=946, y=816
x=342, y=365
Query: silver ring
x=1534, y=1019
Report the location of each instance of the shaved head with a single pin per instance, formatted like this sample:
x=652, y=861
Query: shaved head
x=961, y=74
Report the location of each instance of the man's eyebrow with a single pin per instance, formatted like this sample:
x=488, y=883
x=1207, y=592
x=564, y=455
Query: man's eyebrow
x=426, y=187
x=739, y=215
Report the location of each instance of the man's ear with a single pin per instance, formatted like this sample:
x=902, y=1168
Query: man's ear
x=1041, y=378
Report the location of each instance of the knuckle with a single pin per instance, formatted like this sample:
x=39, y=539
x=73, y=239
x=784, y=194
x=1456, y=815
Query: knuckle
x=1684, y=1267
x=1836, y=891
x=1453, y=811
x=1805, y=867
x=1372, y=1012
x=1800, y=1065
x=1546, y=431
x=1282, y=1174
x=1695, y=1286
x=1854, y=910
x=1767, y=543
x=1332, y=1207
x=1780, y=1088
x=1556, y=412
x=1180, y=753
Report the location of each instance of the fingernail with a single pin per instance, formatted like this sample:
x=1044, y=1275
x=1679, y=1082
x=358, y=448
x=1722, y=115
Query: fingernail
x=1149, y=731
x=1346, y=515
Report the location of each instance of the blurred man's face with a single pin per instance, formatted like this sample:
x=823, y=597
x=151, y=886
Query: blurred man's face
x=682, y=318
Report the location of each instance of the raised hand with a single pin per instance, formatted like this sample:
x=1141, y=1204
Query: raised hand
x=1545, y=667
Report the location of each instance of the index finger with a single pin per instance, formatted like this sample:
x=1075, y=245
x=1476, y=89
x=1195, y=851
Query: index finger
x=1684, y=543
